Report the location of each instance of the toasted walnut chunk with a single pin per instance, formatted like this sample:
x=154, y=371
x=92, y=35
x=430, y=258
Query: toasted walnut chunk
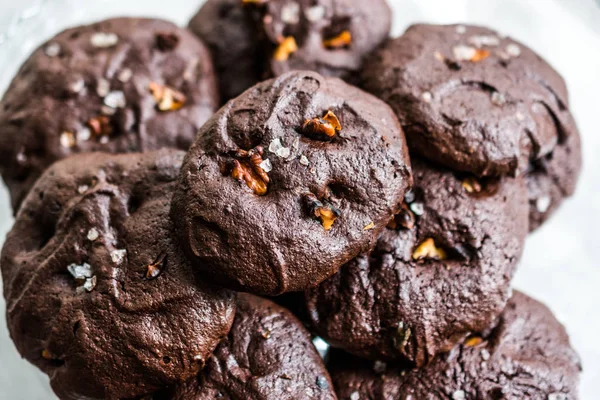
x=428, y=250
x=249, y=168
x=324, y=128
x=167, y=98
x=343, y=39
x=286, y=48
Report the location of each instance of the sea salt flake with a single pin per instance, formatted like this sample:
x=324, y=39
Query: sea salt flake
x=485, y=354
x=484, y=40
x=115, y=99
x=104, y=40
x=417, y=208
x=117, y=256
x=459, y=395
x=52, y=50
x=464, y=53
x=21, y=157
x=427, y=97
x=542, y=204
x=290, y=13
x=103, y=87
x=498, y=99
x=513, y=50
x=82, y=189
x=125, y=75
x=90, y=283
x=67, y=139
x=84, y=134
x=409, y=197
x=283, y=152
x=461, y=29
x=82, y=271
x=315, y=13
x=304, y=161
x=93, y=234
x=266, y=165
x=275, y=145
x=104, y=140
x=355, y=396
x=77, y=86
x=321, y=346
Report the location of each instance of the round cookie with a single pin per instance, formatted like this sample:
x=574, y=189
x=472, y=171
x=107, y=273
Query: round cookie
x=268, y=354
x=98, y=295
x=255, y=40
x=526, y=356
x=471, y=99
x=553, y=178
x=440, y=271
x=288, y=182
x=120, y=85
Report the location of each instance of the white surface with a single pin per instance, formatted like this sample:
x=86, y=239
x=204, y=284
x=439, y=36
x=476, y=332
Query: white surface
x=560, y=263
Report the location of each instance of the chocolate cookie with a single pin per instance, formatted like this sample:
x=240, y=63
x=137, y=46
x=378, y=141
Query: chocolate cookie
x=267, y=355
x=471, y=99
x=553, y=178
x=255, y=40
x=288, y=182
x=440, y=271
x=526, y=356
x=120, y=85
x=98, y=295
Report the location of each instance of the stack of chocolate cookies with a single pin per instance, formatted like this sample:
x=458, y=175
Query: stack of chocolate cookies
x=380, y=189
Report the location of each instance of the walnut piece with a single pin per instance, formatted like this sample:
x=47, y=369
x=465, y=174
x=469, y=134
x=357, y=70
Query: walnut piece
x=154, y=270
x=405, y=219
x=286, y=48
x=473, y=341
x=471, y=185
x=247, y=168
x=100, y=126
x=322, y=128
x=341, y=40
x=167, y=98
x=428, y=250
x=325, y=212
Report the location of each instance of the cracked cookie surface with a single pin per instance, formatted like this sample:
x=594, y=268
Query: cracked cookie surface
x=119, y=85
x=526, y=355
x=256, y=40
x=441, y=270
x=268, y=354
x=98, y=294
x=269, y=203
x=471, y=99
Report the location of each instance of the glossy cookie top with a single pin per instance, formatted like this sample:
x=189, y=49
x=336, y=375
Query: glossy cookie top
x=256, y=40
x=471, y=99
x=441, y=270
x=99, y=296
x=288, y=182
x=526, y=355
x=119, y=85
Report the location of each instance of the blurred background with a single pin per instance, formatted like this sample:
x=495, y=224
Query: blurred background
x=560, y=264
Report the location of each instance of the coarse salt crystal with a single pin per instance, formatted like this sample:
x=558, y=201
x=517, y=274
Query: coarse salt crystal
x=93, y=234
x=103, y=40
x=115, y=99
x=266, y=165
